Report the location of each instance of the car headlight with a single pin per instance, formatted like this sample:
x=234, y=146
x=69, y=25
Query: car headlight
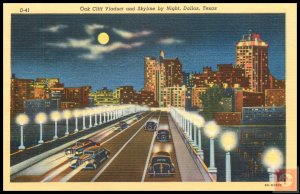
x=77, y=152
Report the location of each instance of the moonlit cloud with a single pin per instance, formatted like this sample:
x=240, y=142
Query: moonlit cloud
x=91, y=28
x=95, y=51
x=130, y=35
x=170, y=41
x=54, y=29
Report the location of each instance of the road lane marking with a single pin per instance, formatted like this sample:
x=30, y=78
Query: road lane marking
x=120, y=150
x=55, y=173
x=149, y=153
x=123, y=130
x=72, y=173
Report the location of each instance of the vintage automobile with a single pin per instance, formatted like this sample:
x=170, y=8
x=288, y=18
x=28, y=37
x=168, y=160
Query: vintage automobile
x=122, y=125
x=91, y=158
x=75, y=151
x=163, y=135
x=150, y=126
x=138, y=116
x=161, y=165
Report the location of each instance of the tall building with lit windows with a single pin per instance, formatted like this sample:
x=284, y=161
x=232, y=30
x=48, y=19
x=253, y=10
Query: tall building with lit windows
x=252, y=55
x=161, y=73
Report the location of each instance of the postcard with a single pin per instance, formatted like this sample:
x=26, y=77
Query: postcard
x=196, y=97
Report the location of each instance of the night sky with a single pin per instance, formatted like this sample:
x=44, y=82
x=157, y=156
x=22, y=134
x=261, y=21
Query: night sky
x=66, y=46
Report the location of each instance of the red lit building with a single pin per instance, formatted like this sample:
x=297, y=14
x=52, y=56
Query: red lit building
x=253, y=99
x=238, y=100
x=128, y=95
x=225, y=74
x=274, y=97
x=77, y=95
x=21, y=90
x=252, y=55
x=227, y=118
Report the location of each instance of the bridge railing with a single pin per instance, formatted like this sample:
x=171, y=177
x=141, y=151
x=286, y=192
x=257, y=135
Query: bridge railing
x=100, y=115
x=191, y=127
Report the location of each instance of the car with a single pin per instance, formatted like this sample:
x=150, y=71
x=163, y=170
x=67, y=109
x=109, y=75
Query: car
x=122, y=125
x=150, y=126
x=161, y=165
x=92, y=157
x=138, y=116
x=75, y=151
x=163, y=135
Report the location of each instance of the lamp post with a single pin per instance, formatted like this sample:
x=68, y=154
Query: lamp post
x=55, y=116
x=100, y=116
x=273, y=160
x=67, y=115
x=22, y=119
x=199, y=122
x=90, y=112
x=84, y=113
x=76, y=114
x=95, y=112
x=229, y=142
x=211, y=129
x=41, y=118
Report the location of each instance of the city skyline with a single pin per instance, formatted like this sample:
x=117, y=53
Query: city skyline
x=196, y=47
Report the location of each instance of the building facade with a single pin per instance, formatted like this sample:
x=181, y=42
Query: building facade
x=20, y=90
x=173, y=96
x=252, y=55
x=263, y=115
x=104, y=97
x=274, y=97
x=77, y=95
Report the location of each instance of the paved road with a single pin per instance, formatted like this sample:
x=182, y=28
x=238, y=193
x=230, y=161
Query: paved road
x=131, y=151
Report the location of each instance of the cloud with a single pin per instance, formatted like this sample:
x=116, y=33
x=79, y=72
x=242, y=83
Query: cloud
x=95, y=51
x=91, y=28
x=130, y=35
x=169, y=41
x=54, y=29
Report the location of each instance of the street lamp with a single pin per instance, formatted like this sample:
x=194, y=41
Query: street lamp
x=41, y=118
x=83, y=113
x=229, y=142
x=95, y=109
x=22, y=119
x=67, y=114
x=273, y=160
x=76, y=114
x=199, y=122
x=55, y=116
x=211, y=129
x=90, y=112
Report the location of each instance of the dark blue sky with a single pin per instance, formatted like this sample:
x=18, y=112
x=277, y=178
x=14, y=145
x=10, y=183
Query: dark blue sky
x=65, y=46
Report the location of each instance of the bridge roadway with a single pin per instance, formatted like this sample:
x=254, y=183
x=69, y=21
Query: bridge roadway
x=131, y=151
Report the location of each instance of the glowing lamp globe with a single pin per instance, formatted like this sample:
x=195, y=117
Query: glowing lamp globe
x=198, y=120
x=76, y=113
x=273, y=158
x=229, y=140
x=67, y=114
x=41, y=118
x=211, y=129
x=22, y=119
x=55, y=116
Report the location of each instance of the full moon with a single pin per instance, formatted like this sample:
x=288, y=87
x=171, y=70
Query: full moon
x=103, y=38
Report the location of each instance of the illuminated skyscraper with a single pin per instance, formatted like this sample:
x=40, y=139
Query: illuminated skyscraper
x=252, y=54
x=160, y=74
